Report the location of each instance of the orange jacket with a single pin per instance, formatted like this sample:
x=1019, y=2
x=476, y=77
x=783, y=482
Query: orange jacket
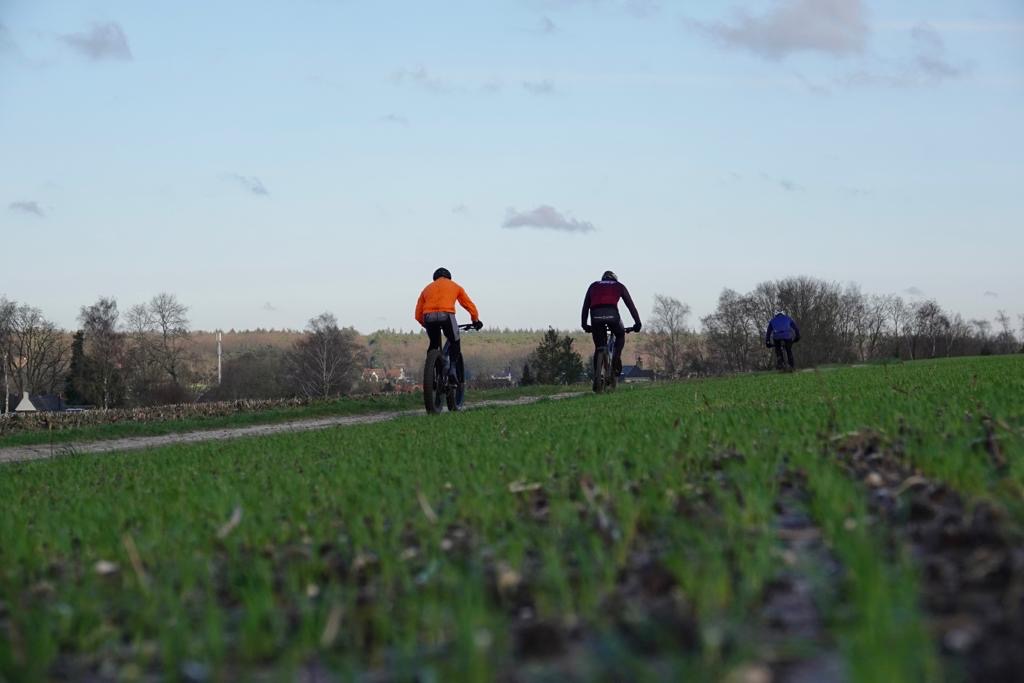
x=440, y=297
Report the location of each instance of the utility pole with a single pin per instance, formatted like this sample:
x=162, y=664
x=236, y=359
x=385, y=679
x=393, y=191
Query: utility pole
x=219, y=354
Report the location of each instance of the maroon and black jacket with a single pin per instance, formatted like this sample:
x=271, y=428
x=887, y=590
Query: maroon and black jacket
x=607, y=293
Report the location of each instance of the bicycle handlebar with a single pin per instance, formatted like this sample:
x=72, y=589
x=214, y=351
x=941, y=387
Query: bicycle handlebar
x=467, y=327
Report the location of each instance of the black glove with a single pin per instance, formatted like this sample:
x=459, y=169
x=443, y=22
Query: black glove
x=637, y=326
x=477, y=325
x=588, y=328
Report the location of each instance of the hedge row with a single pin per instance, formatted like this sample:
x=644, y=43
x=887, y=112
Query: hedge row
x=27, y=422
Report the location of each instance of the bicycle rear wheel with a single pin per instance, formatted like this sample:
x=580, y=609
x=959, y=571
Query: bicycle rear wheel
x=601, y=364
x=433, y=382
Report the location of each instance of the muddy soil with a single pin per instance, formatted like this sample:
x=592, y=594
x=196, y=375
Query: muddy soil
x=970, y=554
x=791, y=614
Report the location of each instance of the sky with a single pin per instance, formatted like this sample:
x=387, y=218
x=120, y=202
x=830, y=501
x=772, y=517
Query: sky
x=269, y=161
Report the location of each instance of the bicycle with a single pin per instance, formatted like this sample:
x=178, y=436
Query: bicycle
x=604, y=375
x=441, y=382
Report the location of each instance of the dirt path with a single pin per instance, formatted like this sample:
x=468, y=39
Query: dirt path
x=134, y=443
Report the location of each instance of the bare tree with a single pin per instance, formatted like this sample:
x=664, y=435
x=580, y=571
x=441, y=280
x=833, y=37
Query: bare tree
x=875, y=311
x=7, y=310
x=1005, y=341
x=983, y=329
x=159, y=346
x=327, y=361
x=37, y=352
x=899, y=316
x=171, y=325
x=669, y=336
x=732, y=332
x=929, y=324
x=959, y=336
x=104, y=349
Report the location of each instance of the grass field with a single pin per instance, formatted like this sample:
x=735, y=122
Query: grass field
x=731, y=529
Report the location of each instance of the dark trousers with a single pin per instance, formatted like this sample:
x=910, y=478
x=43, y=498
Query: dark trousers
x=781, y=344
x=447, y=327
x=602, y=324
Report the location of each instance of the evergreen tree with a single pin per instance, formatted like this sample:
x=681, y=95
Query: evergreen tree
x=74, y=384
x=527, y=377
x=554, y=360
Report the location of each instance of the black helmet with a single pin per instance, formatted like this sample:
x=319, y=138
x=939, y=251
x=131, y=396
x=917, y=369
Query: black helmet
x=442, y=272
x=609, y=275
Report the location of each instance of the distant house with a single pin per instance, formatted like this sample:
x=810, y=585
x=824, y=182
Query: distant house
x=636, y=373
x=384, y=375
x=397, y=375
x=505, y=378
x=42, y=403
x=375, y=375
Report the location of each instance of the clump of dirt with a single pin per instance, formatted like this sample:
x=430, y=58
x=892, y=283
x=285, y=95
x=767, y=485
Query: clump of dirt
x=649, y=610
x=971, y=558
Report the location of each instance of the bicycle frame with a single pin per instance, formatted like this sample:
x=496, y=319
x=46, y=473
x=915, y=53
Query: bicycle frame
x=451, y=376
x=446, y=382
x=607, y=379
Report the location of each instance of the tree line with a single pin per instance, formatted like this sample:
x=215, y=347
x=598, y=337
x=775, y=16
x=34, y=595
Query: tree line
x=838, y=325
x=145, y=357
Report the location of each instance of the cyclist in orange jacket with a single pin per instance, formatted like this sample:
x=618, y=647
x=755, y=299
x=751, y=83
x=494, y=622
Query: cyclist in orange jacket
x=435, y=311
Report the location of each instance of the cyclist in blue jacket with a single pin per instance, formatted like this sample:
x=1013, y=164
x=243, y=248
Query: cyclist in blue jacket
x=782, y=333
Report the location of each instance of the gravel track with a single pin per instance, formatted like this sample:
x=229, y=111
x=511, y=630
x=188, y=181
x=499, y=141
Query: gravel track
x=135, y=443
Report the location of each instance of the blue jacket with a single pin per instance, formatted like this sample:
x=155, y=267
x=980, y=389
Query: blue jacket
x=781, y=328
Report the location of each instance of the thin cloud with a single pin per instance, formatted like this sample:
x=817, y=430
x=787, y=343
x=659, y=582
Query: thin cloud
x=927, y=64
x=643, y=8
x=492, y=86
x=811, y=86
x=252, y=184
x=833, y=27
x=7, y=44
x=28, y=207
x=396, y=119
x=930, y=57
x=959, y=26
x=914, y=291
x=460, y=210
x=638, y=8
x=546, y=27
x=991, y=295
x=102, y=41
x=545, y=217
x=267, y=306
x=783, y=183
x=545, y=87
x=423, y=79
x=856, y=191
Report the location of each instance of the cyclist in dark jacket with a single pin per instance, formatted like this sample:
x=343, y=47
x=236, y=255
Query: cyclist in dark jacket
x=602, y=305
x=782, y=333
